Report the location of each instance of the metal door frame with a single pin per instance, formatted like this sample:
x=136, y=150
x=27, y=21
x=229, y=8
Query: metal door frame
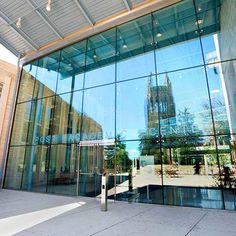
x=96, y=144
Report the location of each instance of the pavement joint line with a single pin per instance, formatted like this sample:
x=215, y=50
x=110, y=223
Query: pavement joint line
x=120, y=222
x=201, y=218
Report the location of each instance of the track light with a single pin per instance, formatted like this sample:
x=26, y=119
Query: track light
x=48, y=6
x=94, y=55
x=18, y=23
x=199, y=22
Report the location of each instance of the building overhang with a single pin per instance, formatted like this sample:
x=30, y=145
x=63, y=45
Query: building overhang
x=100, y=26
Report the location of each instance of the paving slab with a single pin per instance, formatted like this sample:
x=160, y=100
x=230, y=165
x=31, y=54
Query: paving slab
x=36, y=214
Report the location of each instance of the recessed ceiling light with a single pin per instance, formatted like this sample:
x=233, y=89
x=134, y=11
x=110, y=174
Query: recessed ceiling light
x=199, y=9
x=124, y=46
x=48, y=6
x=159, y=35
x=198, y=31
x=18, y=23
x=198, y=22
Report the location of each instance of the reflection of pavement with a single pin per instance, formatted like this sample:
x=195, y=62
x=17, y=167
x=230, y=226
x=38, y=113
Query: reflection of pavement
x=147, y=176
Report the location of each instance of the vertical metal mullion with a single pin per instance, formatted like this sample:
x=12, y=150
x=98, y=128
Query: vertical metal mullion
x=209, y=97
x=81, y=120
x=51, y=125
x=78, y=151
x=158, y=103
x=116, y=59
x=69, y=123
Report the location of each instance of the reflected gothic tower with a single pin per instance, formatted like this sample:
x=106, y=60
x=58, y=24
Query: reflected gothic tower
x=159, y=98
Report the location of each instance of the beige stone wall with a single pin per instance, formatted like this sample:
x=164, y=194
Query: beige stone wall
x=8, y=78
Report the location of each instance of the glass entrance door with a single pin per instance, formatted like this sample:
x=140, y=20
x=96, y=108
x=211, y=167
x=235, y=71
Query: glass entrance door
x=92, y=162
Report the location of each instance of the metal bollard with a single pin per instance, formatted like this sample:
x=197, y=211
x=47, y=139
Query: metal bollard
x=104, y=192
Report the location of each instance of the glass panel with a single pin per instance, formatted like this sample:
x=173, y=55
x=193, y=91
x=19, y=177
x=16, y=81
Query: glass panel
x=138, y=171
x=100, y=58
x=227, y=156
x=191, y=162
x=99, y=113
x=222, y=85
x=21, y=123
x=134, y=43
x=216, y=20
x=177, y=42
x=91, y=166
x=36, y=168
x=62, y=169
x=184, y=103
x=72, y=66
x=67, y=120
x=41, y=120
x=46, y=77
x=27, y=82
x=14, y=168
x=137, y=108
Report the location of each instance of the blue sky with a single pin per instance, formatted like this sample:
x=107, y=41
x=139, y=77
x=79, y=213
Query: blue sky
x=189, y=86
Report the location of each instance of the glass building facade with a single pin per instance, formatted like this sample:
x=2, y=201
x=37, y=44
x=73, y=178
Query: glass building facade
x=151, y=101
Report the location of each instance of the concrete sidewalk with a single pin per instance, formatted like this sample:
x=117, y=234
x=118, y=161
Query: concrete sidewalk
x=35, y=214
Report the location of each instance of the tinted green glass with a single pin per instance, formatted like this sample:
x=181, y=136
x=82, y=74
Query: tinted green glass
x=138, y=102
x=22, y=121
x=100, y=58
x=72, y=67
x=14, y=168
x=99, y=113
x=184, y=103
x=36, y=168
x=67, y=119
x=222, y=90
x=41, y=120
x=177, y=42
x=135, y=56
x=62, y=169
x=191, y=164
x=46, y=77
x=27, y=82
x=93, y=159
x=139, y=177
x=227, y=156
x=137, y=109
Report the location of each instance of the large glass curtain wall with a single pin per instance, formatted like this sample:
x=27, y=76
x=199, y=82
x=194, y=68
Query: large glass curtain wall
x=151, y=101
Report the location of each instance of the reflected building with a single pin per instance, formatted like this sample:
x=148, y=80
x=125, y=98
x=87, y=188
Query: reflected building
x=160, y=103
x=100, y=94
x=33, y=123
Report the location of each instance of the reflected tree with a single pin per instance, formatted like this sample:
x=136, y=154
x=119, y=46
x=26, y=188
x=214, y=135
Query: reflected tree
x=123, y=162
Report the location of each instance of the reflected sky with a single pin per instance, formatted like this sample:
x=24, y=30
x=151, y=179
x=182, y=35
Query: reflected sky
x=131, y=51
x=188, y=88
